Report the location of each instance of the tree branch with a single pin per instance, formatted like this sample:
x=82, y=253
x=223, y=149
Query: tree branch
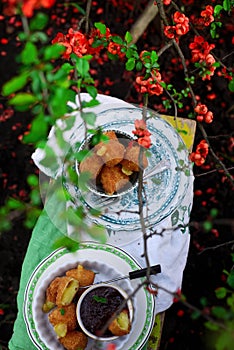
x=143, y=21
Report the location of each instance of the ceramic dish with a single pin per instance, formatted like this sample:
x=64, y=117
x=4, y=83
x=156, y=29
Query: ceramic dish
x=163, y=192
x=113, y=262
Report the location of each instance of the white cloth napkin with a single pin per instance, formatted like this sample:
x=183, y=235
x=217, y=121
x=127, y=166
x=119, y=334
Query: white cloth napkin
x=170, y=249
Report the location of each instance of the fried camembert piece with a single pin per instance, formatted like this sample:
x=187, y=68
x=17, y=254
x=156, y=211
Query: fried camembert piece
x=63, y=319
x=130, y=163
x=111, y=151
x=67, y=289
x=111, y=134
x=121, y=324
x=113, y=179
x=74, y=340
x=84, y=276
x=92, y=164
x=51, y=294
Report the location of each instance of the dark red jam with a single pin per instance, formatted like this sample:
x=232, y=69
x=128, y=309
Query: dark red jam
x=97, y=307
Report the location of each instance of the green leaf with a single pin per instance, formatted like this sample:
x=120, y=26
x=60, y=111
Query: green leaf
x=50, y=159
x=101, y=27
x=99, y=299
x=82, y=66
x=195, y=315
x=15, y=84
x=60, y=138
x=175, y=217
x=58, y=101
x=84, y=177
x=22, y=99
x=128, y=37
x=32, y=216
x=98, y=233
x=221, y=292
x=212, y=326
x=130, y=64
x=62, y=312
x=139, y=66
x=39, y=21
x=53, y=51
x=217, y=10
x=39, y=36
x=13, y=203
x=35, y=197
x=225, y=339
x=227, y=5
x=207, y=225
x=92, y=91
x=214, y=212
x=219, y=312
x=29, y=54
x=231, y=85
x=154, y=56
x=230, y=279
x=116, y=39
x=38, y=130
x=67, y=242
x=32, y=180
x=89, y=118
x=91, y=103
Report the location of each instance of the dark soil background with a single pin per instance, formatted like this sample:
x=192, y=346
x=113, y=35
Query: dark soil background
x=204, y=270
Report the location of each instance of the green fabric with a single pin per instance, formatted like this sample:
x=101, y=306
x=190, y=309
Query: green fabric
x=47, y=230
x=38, y=249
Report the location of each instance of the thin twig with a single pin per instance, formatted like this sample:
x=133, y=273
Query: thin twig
x=216, y=247
x=212, y=171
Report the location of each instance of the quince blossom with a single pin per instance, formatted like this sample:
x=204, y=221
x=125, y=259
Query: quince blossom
x=203, y=113
x=151, y=85
x=142, y=133
x=181, y=26
x=199, y=156
x=28, y=6
x=207, y=15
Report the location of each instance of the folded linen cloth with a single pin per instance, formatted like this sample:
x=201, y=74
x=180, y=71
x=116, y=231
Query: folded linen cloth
x=170, y=248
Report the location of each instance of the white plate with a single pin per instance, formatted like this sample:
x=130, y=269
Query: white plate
x=163, y=193
x=109, y=262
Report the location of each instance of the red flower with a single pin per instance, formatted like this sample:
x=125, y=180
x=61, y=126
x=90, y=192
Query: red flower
x=62, y=40
x=200, y=48
x=142, y=133
x=201, y=109
x=180, y=18
x=170, y=31
x=151, y=85
x=114, y=48
x=78, y=42
x=199, y=156
x=144, y=141
x=203, y=113
x=181, y=27
x=207, y=15
x=28, y=6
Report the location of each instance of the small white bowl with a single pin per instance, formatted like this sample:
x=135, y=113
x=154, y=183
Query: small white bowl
x=97, y=189
x=80, y=314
